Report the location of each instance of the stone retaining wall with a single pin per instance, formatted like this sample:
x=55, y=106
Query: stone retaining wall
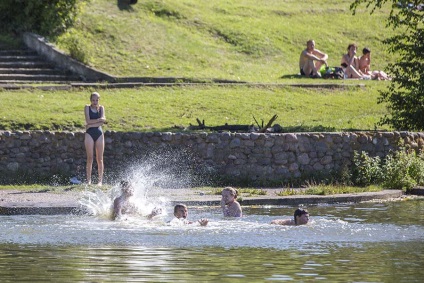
x=253, y=157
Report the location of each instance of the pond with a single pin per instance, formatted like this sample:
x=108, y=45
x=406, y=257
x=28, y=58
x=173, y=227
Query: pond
x=367, y=242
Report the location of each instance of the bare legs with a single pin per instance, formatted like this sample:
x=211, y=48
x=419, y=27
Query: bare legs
x=100, y=148
x=352, y=73
x=90, y=145
x=312, y=68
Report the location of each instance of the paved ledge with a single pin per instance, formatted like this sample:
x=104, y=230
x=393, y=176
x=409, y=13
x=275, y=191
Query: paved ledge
x=52, y=210
x=300, y=199
x=47, y=203
x=11, y=86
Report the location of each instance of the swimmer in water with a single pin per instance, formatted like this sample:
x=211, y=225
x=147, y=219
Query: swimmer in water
x=181, y=213
x=301, y=217
x=125, y=205
x=230, y=206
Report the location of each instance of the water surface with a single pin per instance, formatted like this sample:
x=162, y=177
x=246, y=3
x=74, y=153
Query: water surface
x=368, y=242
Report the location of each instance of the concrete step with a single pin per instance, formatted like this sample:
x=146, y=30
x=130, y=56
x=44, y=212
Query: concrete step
x=30, y=82
x=15, y=58
x=37, y=71
x=13, y=52
x=26, y=64
x=35, y=77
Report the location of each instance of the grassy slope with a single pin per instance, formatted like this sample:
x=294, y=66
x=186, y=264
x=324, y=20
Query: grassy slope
x=249, y=40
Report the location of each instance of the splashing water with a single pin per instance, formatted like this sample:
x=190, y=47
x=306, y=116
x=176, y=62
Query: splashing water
x=149, y=179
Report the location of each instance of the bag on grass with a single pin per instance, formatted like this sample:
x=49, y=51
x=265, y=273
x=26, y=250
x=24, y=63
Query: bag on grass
x=333, y=73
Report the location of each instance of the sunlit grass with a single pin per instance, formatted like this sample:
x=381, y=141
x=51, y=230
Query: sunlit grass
x=173, y=109
x=248, y=40
x=328, y=190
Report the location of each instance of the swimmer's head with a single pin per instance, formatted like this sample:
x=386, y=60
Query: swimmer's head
x=301, y=216
x=180, y=211
x=229, y=195
x=126, y=188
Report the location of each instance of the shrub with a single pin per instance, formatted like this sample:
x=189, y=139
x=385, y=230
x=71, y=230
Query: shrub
x=403, y=170
x=48, y=18
x=399, y=170
x=77, y=44
x=367, y=170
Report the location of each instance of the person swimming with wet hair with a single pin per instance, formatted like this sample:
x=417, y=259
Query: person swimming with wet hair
x=181, y=213
x=300, y=217
x=123, y=204
x=229, y=205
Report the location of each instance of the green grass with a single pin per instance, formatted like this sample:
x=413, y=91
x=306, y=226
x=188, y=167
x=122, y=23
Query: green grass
x=52, y=188
x=246, y=192
x=247, y=40
x=243, y=192
x=172, y=109
x=329, y=190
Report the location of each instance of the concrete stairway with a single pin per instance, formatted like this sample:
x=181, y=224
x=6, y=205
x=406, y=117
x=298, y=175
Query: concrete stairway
x=23, y=66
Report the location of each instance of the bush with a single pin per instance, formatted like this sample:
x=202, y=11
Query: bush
x=367, y=170
x=77, y=44
x=400, y=170
x=403, y=170
x=48, y=18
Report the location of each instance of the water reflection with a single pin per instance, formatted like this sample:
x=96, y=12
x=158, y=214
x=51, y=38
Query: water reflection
x=370, y=263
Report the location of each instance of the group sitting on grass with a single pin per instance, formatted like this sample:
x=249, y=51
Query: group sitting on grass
x=313, y=64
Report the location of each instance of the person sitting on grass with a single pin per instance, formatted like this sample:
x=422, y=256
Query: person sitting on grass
x=301, y=217
x=365, y=66
x=181, y=213
x=311, y=60
x=230, y=206
x=350, y=64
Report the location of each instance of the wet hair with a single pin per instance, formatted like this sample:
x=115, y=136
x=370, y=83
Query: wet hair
x=233, y=191
x=350, y=45
x=124, y=183
x=366, y=50
x=125, y=186
x=299, y=212
x=180, y=205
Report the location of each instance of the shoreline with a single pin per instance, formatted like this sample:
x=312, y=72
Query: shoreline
x=15, y=202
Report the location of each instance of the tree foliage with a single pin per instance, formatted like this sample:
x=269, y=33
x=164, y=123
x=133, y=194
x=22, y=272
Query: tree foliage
x=48, y=18
x=405, y=95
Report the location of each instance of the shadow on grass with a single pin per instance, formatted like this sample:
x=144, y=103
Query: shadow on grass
x=289, y=129
x=126, y=4
x=292, y=76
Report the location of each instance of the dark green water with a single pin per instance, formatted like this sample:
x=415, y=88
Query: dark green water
x=370, y=242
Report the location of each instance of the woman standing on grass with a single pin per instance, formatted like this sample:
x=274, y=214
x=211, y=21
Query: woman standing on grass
x=94, y=139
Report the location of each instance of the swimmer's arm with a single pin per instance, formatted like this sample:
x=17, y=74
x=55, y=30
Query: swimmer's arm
x=281, y=222
x=203, y=221
x=156, y=211
x=236, y=210
x=117, y=208
x=224, y=208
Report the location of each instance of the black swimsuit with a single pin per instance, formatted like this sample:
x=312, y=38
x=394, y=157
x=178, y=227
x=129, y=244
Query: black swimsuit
x=94, y=132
